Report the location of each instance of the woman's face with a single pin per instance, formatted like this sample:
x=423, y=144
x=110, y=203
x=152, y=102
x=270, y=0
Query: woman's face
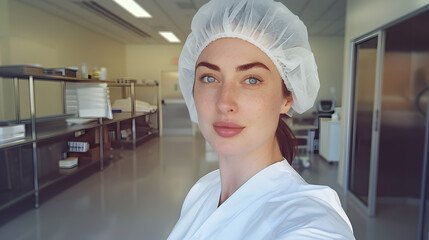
x=238, y=94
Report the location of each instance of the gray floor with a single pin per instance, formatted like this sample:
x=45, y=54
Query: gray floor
x=140, y=196
x=393, y=222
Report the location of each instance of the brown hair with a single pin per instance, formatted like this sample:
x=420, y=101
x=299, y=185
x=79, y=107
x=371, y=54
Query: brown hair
x=285, y=137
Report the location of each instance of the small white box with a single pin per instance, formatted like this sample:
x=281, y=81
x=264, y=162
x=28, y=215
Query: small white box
x=78, y=146
x=12, y=132
x=69, y=162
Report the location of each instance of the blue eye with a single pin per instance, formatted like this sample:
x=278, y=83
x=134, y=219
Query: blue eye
x=252, y=81
x=209, y=79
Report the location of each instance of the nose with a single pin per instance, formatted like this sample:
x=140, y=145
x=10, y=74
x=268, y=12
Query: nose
x=227, y=98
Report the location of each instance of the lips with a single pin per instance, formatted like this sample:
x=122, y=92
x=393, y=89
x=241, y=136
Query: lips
x=227, y=129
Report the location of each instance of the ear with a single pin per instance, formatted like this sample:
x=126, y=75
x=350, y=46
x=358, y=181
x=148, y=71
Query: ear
x=287, y=104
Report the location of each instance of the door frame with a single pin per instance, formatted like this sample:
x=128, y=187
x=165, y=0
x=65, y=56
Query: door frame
x=349, y=120
x=423, y=192
x=349, y=90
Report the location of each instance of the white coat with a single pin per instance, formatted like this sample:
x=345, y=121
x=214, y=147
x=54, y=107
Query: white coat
x=276, y=203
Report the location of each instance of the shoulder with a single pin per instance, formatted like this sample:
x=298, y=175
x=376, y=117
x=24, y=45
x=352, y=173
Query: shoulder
x=203, y=187
x=309, y=216
x=303, y=210
x=207, y=181
x=292, y=186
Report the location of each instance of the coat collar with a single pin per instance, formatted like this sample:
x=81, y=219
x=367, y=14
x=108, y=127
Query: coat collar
x=258, y=188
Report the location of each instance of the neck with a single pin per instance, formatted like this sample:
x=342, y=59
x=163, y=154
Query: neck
x=236, y=170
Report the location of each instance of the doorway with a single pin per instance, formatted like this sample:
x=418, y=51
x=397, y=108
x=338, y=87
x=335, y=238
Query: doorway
x=387, y=131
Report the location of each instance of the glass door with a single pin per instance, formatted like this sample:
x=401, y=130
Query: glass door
x=424, y=201
x=367, y=63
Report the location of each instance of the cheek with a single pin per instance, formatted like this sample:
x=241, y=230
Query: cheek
x=266, y=110
x=204, y=103
x=270, y=102
x=267, y=115
x=201, y=99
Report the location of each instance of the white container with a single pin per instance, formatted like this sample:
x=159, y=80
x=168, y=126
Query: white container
x=338, y=112
x=330, y=135
x=12, y=132
x=78, y=146
x=103, y=73
x=69, y=162
x=84, y=70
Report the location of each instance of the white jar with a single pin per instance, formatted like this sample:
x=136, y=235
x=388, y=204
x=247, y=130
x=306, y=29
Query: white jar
x=84, y=70
x=103, y=73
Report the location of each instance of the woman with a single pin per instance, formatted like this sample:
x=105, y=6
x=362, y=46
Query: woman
x=246, y=63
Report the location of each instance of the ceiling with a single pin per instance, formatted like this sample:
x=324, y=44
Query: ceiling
x=322, y=17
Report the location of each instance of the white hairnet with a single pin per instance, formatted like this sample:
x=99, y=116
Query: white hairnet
x=268, y=25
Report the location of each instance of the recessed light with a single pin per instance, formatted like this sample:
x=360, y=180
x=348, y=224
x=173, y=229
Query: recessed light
x=134, y=8
x=170, y=37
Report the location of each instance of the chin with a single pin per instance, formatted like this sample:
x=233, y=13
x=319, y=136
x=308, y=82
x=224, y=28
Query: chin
x=233, y=146
x=228, y=147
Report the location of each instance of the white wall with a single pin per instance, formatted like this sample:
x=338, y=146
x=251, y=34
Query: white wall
x=329, y=53
x=36, y=37
x=362, y=17
x=147, y=62
x=4, y=31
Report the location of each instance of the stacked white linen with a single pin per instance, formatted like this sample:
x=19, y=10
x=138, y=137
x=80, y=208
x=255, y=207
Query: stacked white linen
x=88, y=100
x=141, y=106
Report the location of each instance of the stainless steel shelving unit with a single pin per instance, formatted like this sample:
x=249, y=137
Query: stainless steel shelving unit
x=42, y=136
x=119, y=117
x=35, y=135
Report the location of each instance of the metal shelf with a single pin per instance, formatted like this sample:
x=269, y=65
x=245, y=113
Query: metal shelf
x=48, y=118
x=49, y=77
x=43, y=129
x=23, y=195
x=138, y=139
x=65, y=173
x=118, y=117
x=47, y=134
x=14, y=143
x=114, y=84
x=55, y=132
x=55, y=78
x=147, y=136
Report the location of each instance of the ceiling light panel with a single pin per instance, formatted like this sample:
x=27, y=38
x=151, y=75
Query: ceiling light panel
x=170, y=37
x=134, y=8
x=104, y=12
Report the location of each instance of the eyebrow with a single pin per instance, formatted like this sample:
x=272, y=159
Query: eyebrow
x=239, y=68
x=208, y=65
x=251, y=65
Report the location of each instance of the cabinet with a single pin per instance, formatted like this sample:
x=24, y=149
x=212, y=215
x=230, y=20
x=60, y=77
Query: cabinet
x=330, y=134
x=29, y=167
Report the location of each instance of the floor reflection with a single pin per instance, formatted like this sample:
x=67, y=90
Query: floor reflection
x=139, y=196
